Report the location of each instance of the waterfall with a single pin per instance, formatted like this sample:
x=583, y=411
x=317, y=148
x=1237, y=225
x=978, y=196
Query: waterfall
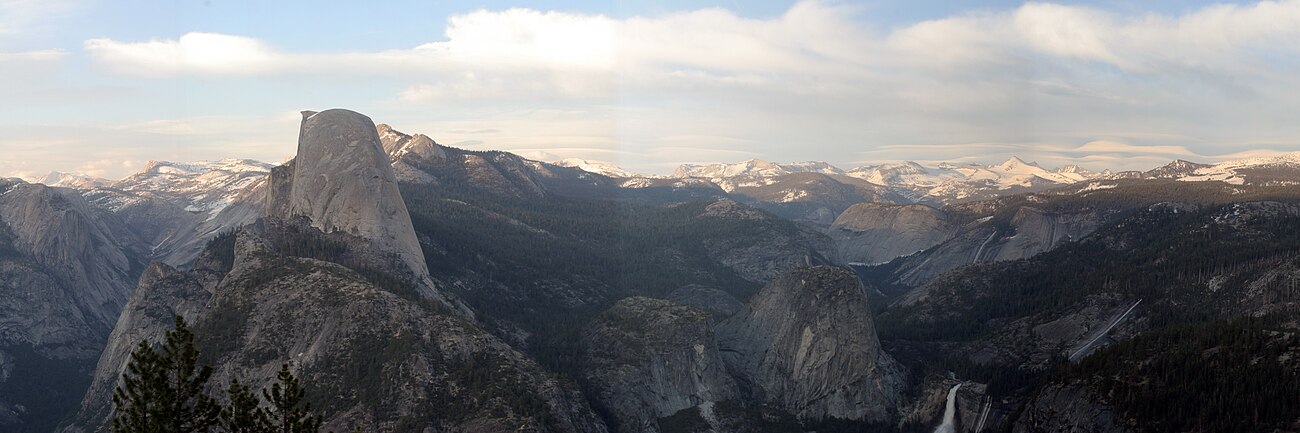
x=949, y=413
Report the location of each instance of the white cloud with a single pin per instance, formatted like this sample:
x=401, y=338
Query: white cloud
x=812, y=39
x=1068, y=31
x=1058, y=81
x=193, y=53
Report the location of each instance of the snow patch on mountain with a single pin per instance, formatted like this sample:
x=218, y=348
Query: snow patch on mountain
x=751, y=173
x=1251, y=170
x=598, y=167
x=71, y=180
x=198, y=187
x=753, y=167
x=948, y=182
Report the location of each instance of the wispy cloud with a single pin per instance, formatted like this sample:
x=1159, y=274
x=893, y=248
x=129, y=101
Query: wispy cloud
x=1108, y=146
x=17, y=16
x=40, y=56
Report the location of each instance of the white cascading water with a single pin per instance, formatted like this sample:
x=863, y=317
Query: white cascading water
x=950, y=412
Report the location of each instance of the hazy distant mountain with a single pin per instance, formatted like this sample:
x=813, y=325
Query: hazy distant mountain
x=948, y=183
x=754, y=172
x=71, y=180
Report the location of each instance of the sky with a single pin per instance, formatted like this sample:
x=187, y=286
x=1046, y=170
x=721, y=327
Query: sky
x=100, y=87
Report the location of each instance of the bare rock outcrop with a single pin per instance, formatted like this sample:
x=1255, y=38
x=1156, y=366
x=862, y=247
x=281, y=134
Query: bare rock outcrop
x=878, y=232
x=650, y=358
x=806, y=342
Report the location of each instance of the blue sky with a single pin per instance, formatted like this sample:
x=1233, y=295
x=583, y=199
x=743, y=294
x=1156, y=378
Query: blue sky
x=101, y=87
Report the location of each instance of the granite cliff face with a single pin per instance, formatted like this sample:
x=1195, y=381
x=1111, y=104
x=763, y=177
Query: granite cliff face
x=873, y=233
x=341, y=181
x=806, y=343
x=64, y=276
x=650, y=358
x=59, y=231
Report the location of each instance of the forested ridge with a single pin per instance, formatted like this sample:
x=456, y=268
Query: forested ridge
x=1237, y=375
x=1190, y=264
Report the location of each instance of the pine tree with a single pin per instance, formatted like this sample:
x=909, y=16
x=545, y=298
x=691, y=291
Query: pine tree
x=135, y=398
x=289, y=413
x=162, y=391
x=245, y=413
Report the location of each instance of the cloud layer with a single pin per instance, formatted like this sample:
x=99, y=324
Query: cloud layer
x=1057, y=83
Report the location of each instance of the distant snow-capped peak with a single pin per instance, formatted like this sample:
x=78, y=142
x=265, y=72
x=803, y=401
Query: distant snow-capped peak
x=949, y=181
x=199, y=168
x=1012, y=172
x=1276, y=170
x=71, y=180
x=597, y=167
x=753, y=167
x=200, y=186
x=754, y=172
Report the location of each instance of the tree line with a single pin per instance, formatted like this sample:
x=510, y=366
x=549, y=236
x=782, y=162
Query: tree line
x=164, y=390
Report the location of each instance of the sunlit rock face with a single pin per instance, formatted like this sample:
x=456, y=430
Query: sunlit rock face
x=341, y=181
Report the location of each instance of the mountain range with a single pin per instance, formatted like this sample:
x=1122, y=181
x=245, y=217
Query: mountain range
x=421, y=287
x=210, y=186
